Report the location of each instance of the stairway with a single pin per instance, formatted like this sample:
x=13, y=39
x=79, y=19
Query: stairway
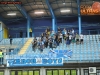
x=26, y=45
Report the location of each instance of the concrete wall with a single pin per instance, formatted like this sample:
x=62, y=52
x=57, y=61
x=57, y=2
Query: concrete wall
x=4, y=32
x=80, y=71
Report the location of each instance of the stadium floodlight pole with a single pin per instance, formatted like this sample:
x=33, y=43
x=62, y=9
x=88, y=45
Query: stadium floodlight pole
x=79, y=16
x=54, y=26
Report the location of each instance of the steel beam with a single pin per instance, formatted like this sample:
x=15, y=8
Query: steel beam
x=79, y=16
x=29, y=19
x=54, y=26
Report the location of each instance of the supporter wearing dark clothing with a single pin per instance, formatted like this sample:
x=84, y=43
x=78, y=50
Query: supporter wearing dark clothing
x=46, y=43
x=56, y=39
x=34, y=45
x=67, y=41
x=68, y=32
x=48, y=29
x=81, y=38
x=50, y=43
x=10, y=40
x=77, y=38
x=59, y=30
x=26, y=34
x=64, y=32
x=21, y=34
x=41, y=45
x=42, y=36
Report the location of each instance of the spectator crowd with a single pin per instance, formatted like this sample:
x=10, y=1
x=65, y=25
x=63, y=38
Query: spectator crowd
x=52, y=39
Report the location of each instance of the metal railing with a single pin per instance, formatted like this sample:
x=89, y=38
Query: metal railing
x=38, y=34
x=8, y=54
x=19, y=45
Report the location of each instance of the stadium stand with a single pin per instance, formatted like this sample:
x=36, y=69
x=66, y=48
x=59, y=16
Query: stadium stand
x=90, y=49
x=49, y=37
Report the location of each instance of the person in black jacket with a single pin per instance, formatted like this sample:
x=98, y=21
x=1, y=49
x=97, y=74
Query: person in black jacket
x=10, y=39
x=21, y=34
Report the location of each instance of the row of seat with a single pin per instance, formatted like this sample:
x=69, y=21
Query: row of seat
x=15, y=41
x=88, y=51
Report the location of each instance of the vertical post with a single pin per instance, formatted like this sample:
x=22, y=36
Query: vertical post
x=29, y=19
x=53, y=24
x=98, y=32
x=6, y=71
x=89, y=32
x=32, y=32
x=53, y=16
x=78, y=71
x=79, y=16
x=28, y=27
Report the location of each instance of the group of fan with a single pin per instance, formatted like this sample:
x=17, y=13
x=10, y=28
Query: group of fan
x=51, y=39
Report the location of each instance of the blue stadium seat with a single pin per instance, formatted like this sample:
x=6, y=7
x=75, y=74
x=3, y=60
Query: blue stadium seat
x=89, y=50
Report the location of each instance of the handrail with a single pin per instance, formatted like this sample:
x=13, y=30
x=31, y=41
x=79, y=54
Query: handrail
x=29, y=47
x=37, y=34
x=19, y=45
x=78, y=60
x=6, y=41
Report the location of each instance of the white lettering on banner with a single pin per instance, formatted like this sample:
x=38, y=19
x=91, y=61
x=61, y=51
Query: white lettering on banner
x=38, y=60
x=52, y=61
x=35, y=62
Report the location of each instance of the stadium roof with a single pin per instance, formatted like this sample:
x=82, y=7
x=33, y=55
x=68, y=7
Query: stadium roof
x=39, y=8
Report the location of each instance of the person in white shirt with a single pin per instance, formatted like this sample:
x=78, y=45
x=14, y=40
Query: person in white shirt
x=64, y=32
x=61, y=36
x=70, y=39
x=81, y=38
x=72, y=31
x=41, y=45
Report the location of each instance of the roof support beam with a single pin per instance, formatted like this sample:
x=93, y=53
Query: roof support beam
x=23, y=11
x=54, y=26
x=1, y=18
x=29, y=19
x=53, y=2
x=28, y=28
x=79, y=16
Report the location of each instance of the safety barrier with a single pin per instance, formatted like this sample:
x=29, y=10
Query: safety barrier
x=13, y=51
